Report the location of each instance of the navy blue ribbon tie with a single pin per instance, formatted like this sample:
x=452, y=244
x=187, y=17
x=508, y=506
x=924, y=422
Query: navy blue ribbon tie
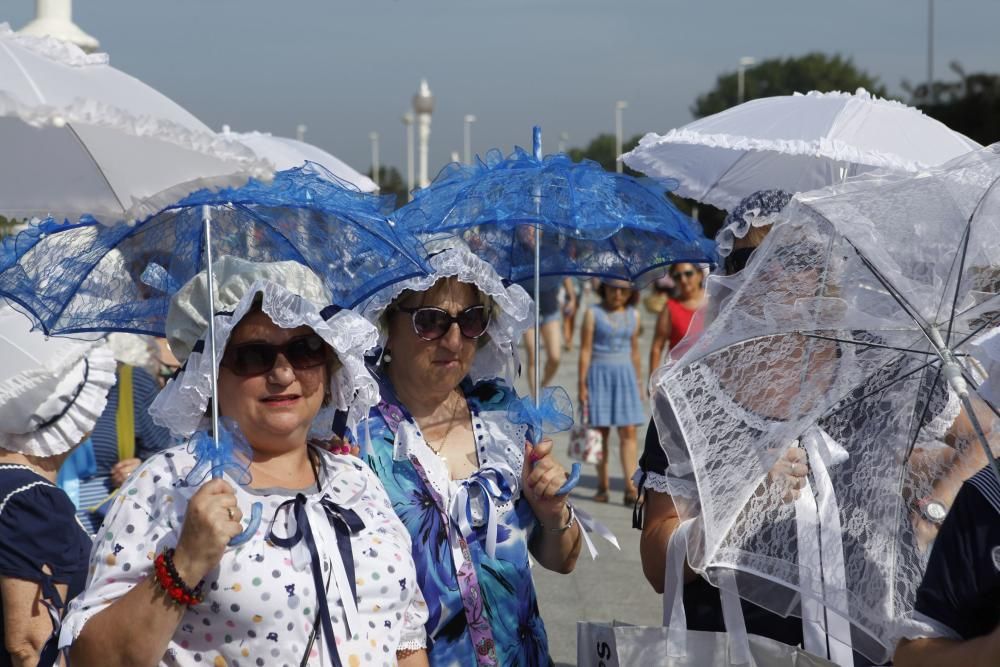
x=345, y=523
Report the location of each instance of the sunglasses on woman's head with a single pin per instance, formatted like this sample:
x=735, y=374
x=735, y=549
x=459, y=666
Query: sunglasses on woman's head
x=250, y=359
x=431, y=323
x=677, y=275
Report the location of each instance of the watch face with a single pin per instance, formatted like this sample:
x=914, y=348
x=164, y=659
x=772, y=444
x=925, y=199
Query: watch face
x=936, y=511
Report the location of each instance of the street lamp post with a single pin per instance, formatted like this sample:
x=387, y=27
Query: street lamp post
x=423, y=106
x=408, y=119
x=930, y=51
x=620, y=106
x=467, y=137
x=375, y=161
x=741, y=75
x=563, y=141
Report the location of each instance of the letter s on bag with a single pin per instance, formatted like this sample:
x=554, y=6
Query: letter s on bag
x=603, y=652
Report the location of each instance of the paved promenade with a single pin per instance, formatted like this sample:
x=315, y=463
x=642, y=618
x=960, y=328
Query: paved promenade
x=612, y=587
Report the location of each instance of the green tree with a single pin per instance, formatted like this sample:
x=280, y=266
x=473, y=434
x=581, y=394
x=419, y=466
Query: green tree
x=601, y=150
x=784, y=76
x=970, y=104
x=391, y=183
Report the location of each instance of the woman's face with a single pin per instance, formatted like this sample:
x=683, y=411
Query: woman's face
x=616, y=293
x=276, y=407
x=436, y=365
x=687, y=277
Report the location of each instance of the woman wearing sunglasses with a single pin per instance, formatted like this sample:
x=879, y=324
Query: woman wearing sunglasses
x=327, y=578
x=474, y=497
x=675, y=318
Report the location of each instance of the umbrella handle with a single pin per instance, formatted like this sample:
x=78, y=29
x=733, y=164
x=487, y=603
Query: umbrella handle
x=572, y=481
x=255, y=514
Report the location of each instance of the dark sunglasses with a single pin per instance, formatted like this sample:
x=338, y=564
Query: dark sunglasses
x=432, y=323
x=677, y=275
x=258, y=358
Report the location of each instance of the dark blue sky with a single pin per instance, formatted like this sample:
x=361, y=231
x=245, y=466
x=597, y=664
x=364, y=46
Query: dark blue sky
x=348, y=67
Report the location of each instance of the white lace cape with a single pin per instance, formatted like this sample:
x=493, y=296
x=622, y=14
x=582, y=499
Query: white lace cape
x=512, y=315
x=181, y=405
x=98, y=366
x=499, y=449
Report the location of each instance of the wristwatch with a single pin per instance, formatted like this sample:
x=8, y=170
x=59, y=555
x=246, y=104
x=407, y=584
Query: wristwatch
x=932, y=510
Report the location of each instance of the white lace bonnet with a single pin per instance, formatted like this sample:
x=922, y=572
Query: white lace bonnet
x=754, y=210
x=513, y=310
x=290, y=294
x=54, y=389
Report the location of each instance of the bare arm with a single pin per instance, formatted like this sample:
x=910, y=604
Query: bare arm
x=979, y=652
x=418, y=659
x=660, y=337
x=207, y=529
x=637, y=356
x=146, y=607
x=26, y=623
x=660, y=523
x=586, y=351
x=554, y=549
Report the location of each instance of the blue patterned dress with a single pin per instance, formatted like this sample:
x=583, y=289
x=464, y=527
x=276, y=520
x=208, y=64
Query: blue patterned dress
x=611, y=381
x=501, y=604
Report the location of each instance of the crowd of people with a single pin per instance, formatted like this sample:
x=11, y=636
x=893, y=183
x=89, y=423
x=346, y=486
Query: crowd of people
x=406, y=535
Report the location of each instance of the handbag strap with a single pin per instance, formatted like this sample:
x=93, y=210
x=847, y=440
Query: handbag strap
x=674, y=616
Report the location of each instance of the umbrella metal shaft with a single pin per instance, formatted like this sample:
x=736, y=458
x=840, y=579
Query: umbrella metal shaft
x=206, y=216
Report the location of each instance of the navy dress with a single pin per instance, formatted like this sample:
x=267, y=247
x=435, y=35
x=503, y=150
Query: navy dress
x=38, y=528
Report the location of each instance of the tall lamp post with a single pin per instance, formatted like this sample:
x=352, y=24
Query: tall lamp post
x=930, y=51
x=54, y=18
x=408, y=119
x=563, y=140
x=423, y=106
x=741, y=77
x=467, y=137
x=620, y=106
x=375, y=161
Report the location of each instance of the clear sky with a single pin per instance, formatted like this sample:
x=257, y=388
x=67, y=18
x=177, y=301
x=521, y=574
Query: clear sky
x=346, y=68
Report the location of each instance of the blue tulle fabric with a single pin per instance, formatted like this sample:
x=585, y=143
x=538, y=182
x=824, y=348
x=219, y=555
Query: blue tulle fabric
x=84, y=276
x=231, y=454
x=593, y=222
x=554, y=413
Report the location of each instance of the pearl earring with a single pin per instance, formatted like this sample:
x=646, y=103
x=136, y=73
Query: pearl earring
x=386, y=357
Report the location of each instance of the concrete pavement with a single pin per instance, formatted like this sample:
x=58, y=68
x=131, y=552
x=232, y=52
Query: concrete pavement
x=612, y=587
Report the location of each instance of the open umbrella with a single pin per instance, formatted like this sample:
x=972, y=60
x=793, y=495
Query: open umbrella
x=286, y=153
x=794, y=143
x=848, y=334
x=88, y=277
x=81, y=137
x=531, y=216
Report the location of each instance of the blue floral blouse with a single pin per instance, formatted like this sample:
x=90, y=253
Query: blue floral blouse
x=497, y=621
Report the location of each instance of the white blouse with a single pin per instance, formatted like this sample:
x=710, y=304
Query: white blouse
x=260, y=602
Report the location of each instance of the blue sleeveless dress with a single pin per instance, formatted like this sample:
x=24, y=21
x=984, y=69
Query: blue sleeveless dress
x=611, y=382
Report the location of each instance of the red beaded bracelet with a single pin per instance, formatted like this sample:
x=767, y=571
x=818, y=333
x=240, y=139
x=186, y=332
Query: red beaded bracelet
x=171, y=582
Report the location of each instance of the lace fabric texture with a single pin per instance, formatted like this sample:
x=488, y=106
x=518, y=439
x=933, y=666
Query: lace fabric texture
x=825, y=335
x=180, y=406
x=513, y=310
x=591, y=222
x=90, y=277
